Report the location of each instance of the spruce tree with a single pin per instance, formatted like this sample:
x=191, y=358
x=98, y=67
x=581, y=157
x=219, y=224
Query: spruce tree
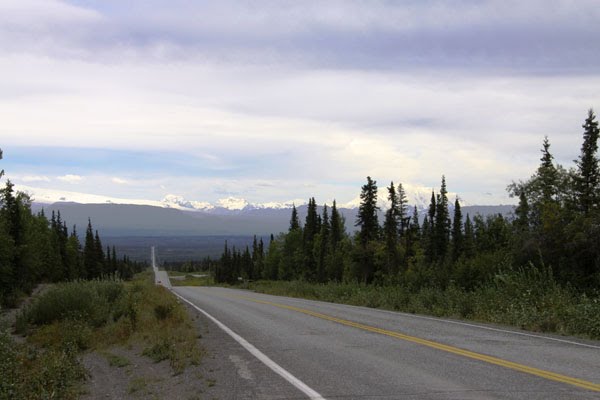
x=428, y=230
x=412, y=234
x=367, y=213
x=547, y=175
x=322, y=245
x=457, y=232
x=337, y=226
x=391, y=222
x=294, y=220
x=100, y=260
x=402, y=205
x=469, y=238
x=587, y=177
x=391, y=227
x=113, y=261
x=442, y=222
x=369, y=232
x=311, y=227
x=414, y=222
x=90, y=254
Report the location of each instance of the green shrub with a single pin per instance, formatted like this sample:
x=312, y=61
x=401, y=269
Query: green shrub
x=89, y=301
x=28, y=373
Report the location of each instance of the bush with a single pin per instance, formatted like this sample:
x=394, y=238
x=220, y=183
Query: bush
x=28, y=373
x=89, y=301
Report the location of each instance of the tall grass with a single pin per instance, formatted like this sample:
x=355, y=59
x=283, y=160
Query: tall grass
x=528, y=298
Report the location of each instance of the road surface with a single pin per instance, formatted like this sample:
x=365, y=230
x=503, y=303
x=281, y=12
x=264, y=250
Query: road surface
x=160, y=277
x=346, y=352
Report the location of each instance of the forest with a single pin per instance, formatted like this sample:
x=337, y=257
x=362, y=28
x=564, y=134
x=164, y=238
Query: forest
x=35, y=248
x=555, y=228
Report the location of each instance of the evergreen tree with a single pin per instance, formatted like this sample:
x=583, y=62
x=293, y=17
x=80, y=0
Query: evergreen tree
x=442, y=222
x=100, y=260
x=403, y=219
x=414, y=222
x=587, y=177
x=413, y=235
x=257, y=258
x=369, y=232
x=469, y=238
x=90, y=254
x=367, y=213
x=457, y=232
x=391, y=227
x=547, y=175
x=114, y=263
x=522, y=213
x=429, y=231
x=337, y=226
x=11, y=213
x=247, y=266
x=311, y=226
x=322, y=246
x=74, y=262
x=294, y=220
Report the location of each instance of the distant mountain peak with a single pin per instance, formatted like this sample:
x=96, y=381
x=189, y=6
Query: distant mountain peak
x=174, y=201
x=416, y=196
x=233, y=203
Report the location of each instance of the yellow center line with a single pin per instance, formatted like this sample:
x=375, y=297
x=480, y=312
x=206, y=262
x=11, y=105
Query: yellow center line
x=439, y=346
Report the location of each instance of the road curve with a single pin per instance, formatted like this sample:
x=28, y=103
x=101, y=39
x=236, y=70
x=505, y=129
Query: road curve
x=346, y=352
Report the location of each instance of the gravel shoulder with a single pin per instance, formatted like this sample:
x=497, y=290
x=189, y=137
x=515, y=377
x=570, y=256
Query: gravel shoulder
x=226, y=372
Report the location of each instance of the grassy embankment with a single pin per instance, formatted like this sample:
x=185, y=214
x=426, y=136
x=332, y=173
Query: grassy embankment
x=526, y=298
x=530, y=299
x=190, y=280
x=75, y=317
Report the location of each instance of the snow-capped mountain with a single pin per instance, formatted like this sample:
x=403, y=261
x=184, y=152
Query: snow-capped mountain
x=416, y=196
x=177, y=216
x=174, y=201
x=225, y=205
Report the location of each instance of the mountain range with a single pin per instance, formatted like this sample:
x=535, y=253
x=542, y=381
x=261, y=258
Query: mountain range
x=176, y=216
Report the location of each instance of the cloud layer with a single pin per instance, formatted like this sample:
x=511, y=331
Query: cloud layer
x=279, y=100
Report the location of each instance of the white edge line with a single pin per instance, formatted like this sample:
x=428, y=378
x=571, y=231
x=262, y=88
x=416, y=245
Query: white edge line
x=260, y=355
x=443, y=320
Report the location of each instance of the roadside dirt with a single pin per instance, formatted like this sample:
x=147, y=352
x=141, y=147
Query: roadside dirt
x=226, y=372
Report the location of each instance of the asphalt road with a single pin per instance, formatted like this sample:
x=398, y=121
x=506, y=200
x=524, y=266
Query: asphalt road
x=345, y=352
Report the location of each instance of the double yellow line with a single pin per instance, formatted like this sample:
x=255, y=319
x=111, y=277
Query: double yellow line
x=439, y=346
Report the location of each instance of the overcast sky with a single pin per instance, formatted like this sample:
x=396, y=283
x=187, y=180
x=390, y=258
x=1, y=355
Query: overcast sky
x=280, y=100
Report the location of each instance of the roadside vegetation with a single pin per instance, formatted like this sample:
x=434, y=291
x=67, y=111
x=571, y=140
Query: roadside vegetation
x=526, y=298
x=187, y=279
x=74, y=317
x=35, y=248
x=538, y=269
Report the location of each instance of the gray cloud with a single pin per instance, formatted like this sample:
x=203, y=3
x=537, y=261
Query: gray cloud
x=505, y=36
x=294, y=93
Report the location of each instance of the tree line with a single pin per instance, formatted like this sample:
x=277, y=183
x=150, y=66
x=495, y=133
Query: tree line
x=36, y=249
x=556, y=225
